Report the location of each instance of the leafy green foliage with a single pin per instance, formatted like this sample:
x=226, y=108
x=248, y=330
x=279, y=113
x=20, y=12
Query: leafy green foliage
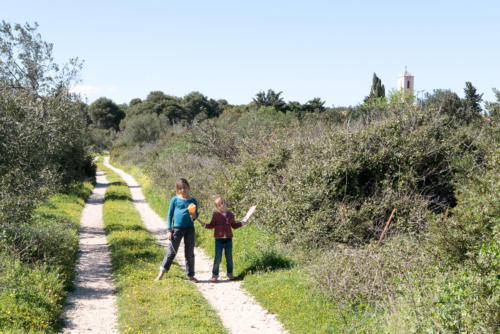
x=352, y=181
x=469, y=239
x=42, y=152
x=377, y=90
x=42, y=145
x=35, y=279
x=192, y=106
x=105, y=114
x=270, y=99
x=474, y=225
x=444, y=101
x=472, y=100
x=144, y=128
x=26, y=62
x=100, y=140
x=445, y=301
x=30, y=297
x=494, y=107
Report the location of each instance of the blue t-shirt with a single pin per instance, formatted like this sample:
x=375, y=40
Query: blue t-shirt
x=178, y=214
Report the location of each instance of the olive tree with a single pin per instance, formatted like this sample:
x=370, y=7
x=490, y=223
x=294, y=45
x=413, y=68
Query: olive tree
x=42, y=128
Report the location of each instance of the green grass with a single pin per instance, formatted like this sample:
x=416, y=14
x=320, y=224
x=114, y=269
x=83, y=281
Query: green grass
x=32, y=294
x=274, y=280
x=173, y=305
x=289, y=294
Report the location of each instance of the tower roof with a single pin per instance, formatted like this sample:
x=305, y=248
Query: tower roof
x=405, y=74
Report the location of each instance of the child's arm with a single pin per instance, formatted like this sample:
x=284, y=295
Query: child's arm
x=170, y=215
x=197, y=213
x=208, y=226
x=235, y=224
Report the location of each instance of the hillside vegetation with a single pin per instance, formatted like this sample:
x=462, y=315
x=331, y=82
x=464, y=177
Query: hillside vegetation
x=326, y=182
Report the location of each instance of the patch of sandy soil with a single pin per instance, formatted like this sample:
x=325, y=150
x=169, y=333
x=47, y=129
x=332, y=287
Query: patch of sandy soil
x=91, y=307
x=238, y=310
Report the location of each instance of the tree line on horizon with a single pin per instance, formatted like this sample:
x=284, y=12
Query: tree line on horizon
x=142, y=120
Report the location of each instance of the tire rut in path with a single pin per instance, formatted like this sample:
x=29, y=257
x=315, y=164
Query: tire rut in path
x=238, y=310
x=91, y=307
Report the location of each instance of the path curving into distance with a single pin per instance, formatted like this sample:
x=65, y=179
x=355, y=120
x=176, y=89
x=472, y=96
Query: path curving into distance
x=238, y=310
x=91, y=307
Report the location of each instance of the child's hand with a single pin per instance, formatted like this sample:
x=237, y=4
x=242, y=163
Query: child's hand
x=169, y=235
x=192, y=211
x=201, y=223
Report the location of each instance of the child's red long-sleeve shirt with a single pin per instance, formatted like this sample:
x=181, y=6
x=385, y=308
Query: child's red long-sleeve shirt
x=223, y=224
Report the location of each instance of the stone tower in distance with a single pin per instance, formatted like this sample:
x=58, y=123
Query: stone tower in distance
x=405, y=81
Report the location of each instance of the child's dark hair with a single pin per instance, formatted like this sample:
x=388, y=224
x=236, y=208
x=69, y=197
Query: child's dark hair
x=180, y=184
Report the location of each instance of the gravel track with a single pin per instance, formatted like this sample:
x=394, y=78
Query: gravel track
x=91, y=307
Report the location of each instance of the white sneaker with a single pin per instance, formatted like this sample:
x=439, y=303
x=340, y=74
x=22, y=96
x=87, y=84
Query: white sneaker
x=160, y=275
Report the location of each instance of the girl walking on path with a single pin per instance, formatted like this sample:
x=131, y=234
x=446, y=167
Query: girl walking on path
x=182, y=212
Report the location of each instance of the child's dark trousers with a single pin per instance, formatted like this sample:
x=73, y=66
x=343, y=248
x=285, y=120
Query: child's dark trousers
x=177, y=235
x=225, y=244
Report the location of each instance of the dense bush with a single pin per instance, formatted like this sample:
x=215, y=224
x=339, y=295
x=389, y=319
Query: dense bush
x=144, y=128
x=100, y=140
x=42, y=130
x=334, y=185
x=469, y=241
x=41, y=151
x=105, y=114
x=471, y=233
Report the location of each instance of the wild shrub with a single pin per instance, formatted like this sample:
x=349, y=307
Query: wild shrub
x=100, y=140
x=472, y=229
x=198, y=170
x=341, y=186
x=468, y=240
x=144, y=128
x=446, y=301
x=368, y=274
x=214, y=139
x=41, y=152
x=42, y=131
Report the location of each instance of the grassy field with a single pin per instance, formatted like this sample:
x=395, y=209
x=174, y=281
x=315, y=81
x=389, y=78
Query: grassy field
x=173, y=305
x=274, y=280
x=32, y=294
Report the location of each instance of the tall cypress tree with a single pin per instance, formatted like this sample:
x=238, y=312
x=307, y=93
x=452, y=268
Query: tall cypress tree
x=377, y=90
x=471, y=102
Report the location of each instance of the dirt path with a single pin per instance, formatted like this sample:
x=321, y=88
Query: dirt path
x=91, y=307
x=239, y=312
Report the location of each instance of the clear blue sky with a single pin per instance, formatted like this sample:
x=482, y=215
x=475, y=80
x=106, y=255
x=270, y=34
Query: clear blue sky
x=233, y=49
